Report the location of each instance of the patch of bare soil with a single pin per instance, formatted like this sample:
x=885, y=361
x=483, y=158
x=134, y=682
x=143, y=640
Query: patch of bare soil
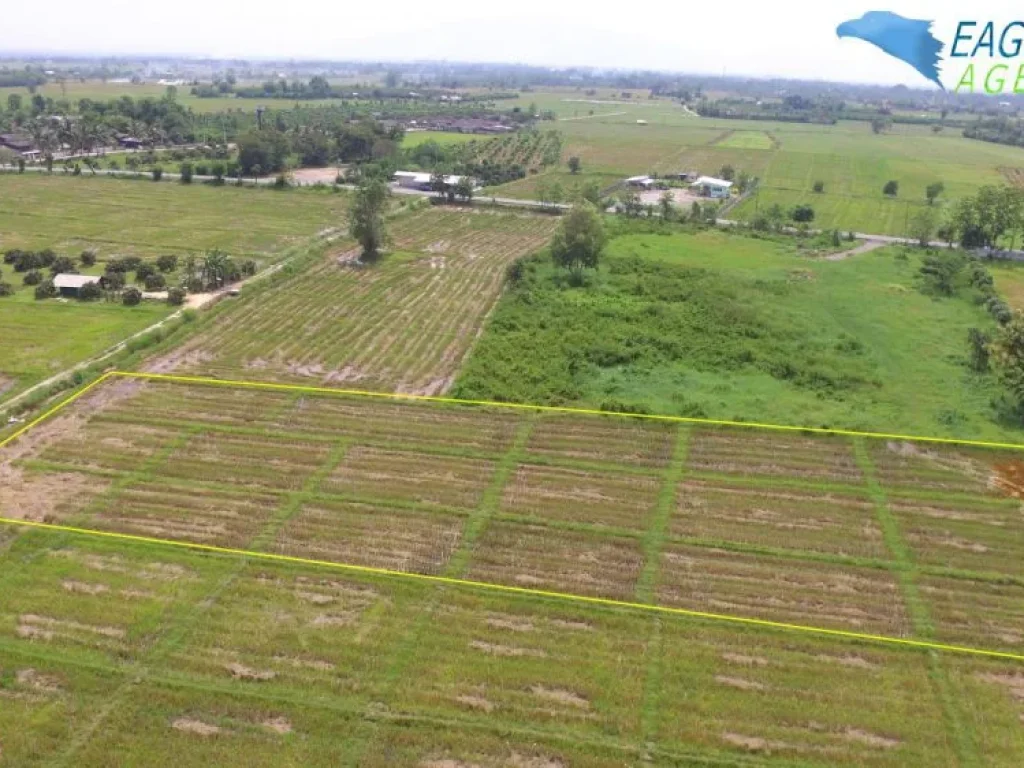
x=317, y=664
x=747, y=661
x=849, y=660
x=1014, y=682
x=866, y=247
x=516, y=760
x=46, y=627
x=6, y=382
x=476, y=702
x=871, y=739
x=753, y=743
x=446, y=763
x=510, y=623
x=242, y=672
x=313, y=370
x=1009, y=478
x=739, y=682
x=179, y=358
x=82, y=588
x=198, y=727
x=279, y=725
x=37, y=497
x=493, y=649
x=309, y=176
x=316, y=598
x=560, y=695
x=577, y=626
x=30, y=678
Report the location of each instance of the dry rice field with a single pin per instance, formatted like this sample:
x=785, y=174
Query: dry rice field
x=147, y=651
x=404, y=324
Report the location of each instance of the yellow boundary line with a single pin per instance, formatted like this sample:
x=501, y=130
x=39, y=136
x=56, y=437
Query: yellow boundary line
x=492, y=587
x=483, y=585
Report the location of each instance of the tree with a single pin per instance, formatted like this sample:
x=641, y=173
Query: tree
x=186, y=173
x=932, y=191
x=216, y=269
x=6, y=289
x=880, y=125
x=727, y=172
x=464, y=189
x=923, y=226
x=90, y=292
x=167, y=262
x=819, y=187
x=131, y=296
x=62, y=264
x=776, y=216
x=143, y=271
x=574, y=165
x=802, y=214
x=155, y=282
x=88, y=258
x=1007, y=353
x=366, y=213
x=438, y=182
x=14, y=102
x=46, y=290
x=579, y=240
x=941, y=271
x=157, y=173
x=631, y=205
x=891, y=188
x=667, y=205
x=176, y=296
x=978, y=342
x=591, y=192
x=114, y=280
x=32, y=277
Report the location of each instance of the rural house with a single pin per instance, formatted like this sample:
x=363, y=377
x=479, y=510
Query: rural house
x=18, y=143
x=71, y=285
x=708, y=186
x=420, y=180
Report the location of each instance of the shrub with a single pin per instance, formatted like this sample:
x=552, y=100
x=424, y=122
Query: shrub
x=33, y=277
x=167, y=263
x=46, y=290
x=202, y=169
x=11, y=256
x=819, y=187
x=978, y=341
x=114, y=280
x=891, y=188
x=88, y=258
x=62, y=264
x=186, y=173
x=6, y=289
x=248, y=268
x=155, y=282
x=802, y=214
x=131, y=297
x=157, y=173
x=90, y=292
x=176, y=297
x=143, y=271
x=281, y=182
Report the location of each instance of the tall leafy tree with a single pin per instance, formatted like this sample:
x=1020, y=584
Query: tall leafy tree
x=580, y=238
x=366, y=213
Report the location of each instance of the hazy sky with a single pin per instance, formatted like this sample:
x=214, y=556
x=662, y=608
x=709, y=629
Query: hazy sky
x=749, y=37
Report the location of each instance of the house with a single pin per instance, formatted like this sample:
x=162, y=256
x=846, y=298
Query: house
x=71, y=285
x=19, y=143
x=690, y=176
x=644, y=182
x=641, y=122
x=708, y=186
x=129, y=142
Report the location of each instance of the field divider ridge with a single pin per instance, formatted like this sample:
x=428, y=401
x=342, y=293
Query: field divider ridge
x=524, y=591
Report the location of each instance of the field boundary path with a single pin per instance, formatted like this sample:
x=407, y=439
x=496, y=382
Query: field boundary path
x=671, y=478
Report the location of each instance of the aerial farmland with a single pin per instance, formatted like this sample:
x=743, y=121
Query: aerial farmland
x=451, y=414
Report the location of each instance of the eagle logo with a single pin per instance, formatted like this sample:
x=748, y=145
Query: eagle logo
x=909, y=40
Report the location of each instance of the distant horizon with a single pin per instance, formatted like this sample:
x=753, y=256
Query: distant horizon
x=787, y=40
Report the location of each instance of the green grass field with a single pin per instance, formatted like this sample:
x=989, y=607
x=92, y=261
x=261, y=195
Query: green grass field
x=788, y=158
x=415, y=138
x=733, y=327
x=118, y=218
x=148, y=651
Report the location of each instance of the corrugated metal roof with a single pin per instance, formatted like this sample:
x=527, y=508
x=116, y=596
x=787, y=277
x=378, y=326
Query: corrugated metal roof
x=74, y=281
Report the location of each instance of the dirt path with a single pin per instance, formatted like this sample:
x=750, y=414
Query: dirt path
x=591, y=117
x=866, y=247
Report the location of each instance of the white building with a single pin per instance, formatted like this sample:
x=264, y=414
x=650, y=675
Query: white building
x=644, y=182
x=71, y=285
x=421, y=180
x=708, y=186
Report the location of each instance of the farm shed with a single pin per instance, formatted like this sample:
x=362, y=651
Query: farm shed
x=645, y=182
x=71, y=285
x=708, y=186
x=422, y=181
